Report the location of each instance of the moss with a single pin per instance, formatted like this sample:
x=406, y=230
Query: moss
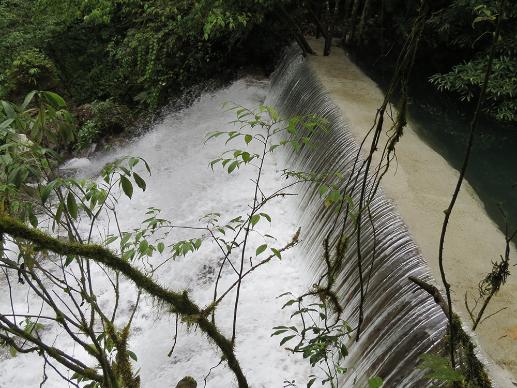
x=122, y=366
x=472, y=369
x=187, y=382
x=179, y=302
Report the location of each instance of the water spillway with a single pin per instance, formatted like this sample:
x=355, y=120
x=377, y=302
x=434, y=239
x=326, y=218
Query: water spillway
x=401, y=322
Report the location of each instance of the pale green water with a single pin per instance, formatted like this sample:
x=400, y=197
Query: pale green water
x=493, y=166
x=444, y=124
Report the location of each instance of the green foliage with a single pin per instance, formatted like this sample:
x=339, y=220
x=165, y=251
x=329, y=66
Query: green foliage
x=466, y=80
x=42, y=117
x=30, y=189
x=26, y=133
x=469, y=26
x=87, y=134
x=454, y=45
x=320, y=338
x=137, y=52
x=101, y=119
x=173, y=45
x=439, y=369
x=375, y=382
x=29, y=70
x=24, y=28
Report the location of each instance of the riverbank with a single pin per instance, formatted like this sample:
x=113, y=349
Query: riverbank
x=420, y=187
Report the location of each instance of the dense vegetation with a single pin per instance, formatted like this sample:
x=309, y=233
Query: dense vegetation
x=80, y=71
x=131, y=56
x=454, y=46
x=113, y=55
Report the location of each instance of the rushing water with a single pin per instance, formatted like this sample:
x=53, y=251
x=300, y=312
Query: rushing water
x=400, y=323
x=185, y=188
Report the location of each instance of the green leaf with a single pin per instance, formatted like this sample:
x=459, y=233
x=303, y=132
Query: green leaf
x=147, y=167
x=8, y=109
x=45, y=192
x=254, y=219
x=28, y=99
x=213, y=162
x=288, y=338
x=311, y=381
x=6, y=123
x=248, y=139
x=142, y=248
x=55, y=99
x=127, y=187
x=260, y=249
x=266, y=216
x=160, y=247
x=59, y=212
x=439, y=368
x=212, y=135
x=110, y=240
x=277, y=253
x=323, y=189
x=33, y=219
x=288, y=303
x=139, y=181
x=132, y=355
x=71, y=205
x=232, y=166
x=375, y=382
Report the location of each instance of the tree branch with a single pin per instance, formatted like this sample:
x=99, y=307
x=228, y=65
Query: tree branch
x=180, y=302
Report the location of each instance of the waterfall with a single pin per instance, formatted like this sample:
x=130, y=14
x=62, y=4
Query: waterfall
x=401, y=322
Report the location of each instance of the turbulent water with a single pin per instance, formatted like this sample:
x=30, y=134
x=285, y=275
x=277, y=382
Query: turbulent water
x=185, y=188
x=400, y=323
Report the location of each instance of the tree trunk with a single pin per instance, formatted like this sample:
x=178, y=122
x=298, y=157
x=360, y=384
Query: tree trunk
x=362, y=22
x=316, y=17
x=333, y=11
x=297, y=33
x=352, y=22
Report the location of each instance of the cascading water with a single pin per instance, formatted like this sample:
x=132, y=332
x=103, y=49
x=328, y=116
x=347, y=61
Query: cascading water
x=401, y=322
x=183, y=185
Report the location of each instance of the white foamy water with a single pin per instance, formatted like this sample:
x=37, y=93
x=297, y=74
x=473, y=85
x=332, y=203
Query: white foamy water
x=185, y=188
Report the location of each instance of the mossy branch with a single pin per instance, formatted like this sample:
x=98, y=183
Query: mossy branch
x=434, y=292
x=179, y=301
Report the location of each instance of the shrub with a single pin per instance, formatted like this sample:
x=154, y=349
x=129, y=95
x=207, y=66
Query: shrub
x=100, y=119
x=32, y=69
